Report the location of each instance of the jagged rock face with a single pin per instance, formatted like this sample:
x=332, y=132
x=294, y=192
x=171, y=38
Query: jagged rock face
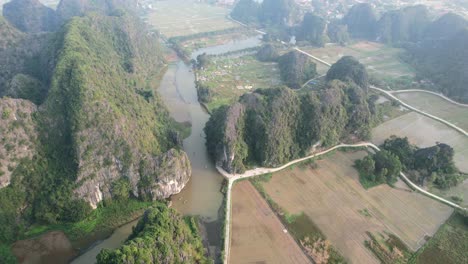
x=156, y=178
x=17, y=133
x=232, y=136
x=31, y=16
x=20, y=55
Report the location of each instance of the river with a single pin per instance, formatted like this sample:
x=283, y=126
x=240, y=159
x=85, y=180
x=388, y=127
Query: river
x=202, y=195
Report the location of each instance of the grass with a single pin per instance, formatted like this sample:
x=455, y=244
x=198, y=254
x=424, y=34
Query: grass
x=103, y=220
x=228, y=77
x=449, y=244
x=388, y=248
x=184, y=128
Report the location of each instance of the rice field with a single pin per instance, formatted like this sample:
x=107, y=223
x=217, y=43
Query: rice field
x=380, y=60
x=437, y=106
x=257, y=235
x=188, y=17
x=332, y=197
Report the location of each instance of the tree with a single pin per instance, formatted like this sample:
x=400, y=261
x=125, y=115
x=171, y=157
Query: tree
x=361, y=21
x=338, y=32
x=402, y=149
x=267, y=52
x=312, y=29
x=296, y=68
x=246, y=11
x=203, y=61
x=349, y=69
x=387, y=165
x=277, y=12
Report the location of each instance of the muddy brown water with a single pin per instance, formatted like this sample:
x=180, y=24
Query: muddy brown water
x=201, y=196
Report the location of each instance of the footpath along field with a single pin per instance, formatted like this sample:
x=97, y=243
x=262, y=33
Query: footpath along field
x=257, y=234
x=332, y=197
x=437, y=106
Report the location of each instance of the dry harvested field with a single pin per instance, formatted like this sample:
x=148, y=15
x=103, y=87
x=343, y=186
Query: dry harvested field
x=424, y=132
x=333, y=198
x=437, y=106
x=188, y=17
x=379, y=59
x=257, y=234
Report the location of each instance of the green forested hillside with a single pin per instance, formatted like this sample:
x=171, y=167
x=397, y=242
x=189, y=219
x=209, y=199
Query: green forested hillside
x=161, y=236
x=103, y=132
x=272, y=126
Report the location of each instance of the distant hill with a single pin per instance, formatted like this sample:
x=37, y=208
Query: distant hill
x=444, y=61
x=31, y=16
x=361, y=20
x=403, y=25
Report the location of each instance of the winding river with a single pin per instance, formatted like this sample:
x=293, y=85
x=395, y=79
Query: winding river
x=202, y=195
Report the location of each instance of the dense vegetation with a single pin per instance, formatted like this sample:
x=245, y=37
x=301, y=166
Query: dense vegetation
x=103, y=134
x=404, y=25
x=449, y=245
x=31, y=16
x=246, y=11
x=349, y=69
x=442, y=57
x=361, y=21
x=431, y=165
x=161, y=236
x=267, y=52
x=296, y=68
x=312, y=29
x=272, y=126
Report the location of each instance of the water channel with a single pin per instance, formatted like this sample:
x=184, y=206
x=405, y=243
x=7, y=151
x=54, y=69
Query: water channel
x=202, y=195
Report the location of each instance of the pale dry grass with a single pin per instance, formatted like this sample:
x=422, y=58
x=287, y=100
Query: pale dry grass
x=256, y=233
x=333, y=198
x=180, y=18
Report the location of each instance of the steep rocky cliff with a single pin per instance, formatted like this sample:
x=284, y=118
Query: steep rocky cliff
x=25, y=62
x=99, y=117
x=18, y=135
x=31, y=16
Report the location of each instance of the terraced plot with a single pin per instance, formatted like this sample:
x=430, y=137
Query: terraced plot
x=333, y=198
x=257, y=234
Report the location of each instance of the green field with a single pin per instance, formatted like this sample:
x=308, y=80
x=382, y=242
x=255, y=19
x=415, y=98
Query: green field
x=228, y=77
x=449, y=245
x=181, y=18
x=437, y=106
x=381, y=61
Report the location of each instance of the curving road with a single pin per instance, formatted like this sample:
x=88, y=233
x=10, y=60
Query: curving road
x=389, y=94
x=430, y=92
x=259, y=171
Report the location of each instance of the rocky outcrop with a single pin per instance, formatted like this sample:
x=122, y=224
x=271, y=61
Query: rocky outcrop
x=155, y=178
x=17, y=134
x=165, y=175
x=31, y=16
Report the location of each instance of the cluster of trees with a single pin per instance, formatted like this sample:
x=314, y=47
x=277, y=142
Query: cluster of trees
x=432, y=165
x=161, y=236
x=272, y=126
x=295, y=68
x=268, y=12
